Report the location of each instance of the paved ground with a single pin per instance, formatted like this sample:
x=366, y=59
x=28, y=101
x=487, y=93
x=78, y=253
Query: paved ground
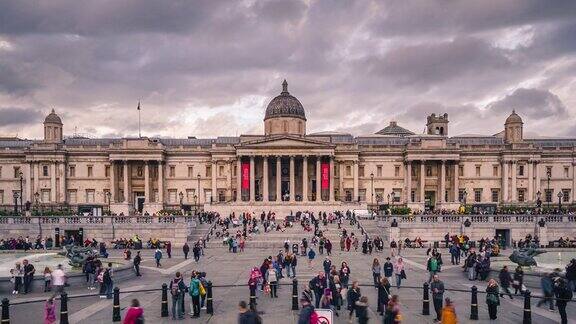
x=225, y=268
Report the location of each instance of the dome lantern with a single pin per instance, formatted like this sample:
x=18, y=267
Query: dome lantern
x=285, y=114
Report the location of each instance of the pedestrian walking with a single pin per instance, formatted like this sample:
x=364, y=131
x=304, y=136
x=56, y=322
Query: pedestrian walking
x=28, y=275
x=194, y=291
x=352, y=297
x=47, y=279
x=108, y=281
x=376, y=272
x=344, y=274
x=518, y=282
x=432, y=266
x=388, y=268
x=158, y=257
x=399, y=271
x=58, y=279
x=137, y=260
x=90, y=270
x=393, y=315
x=17, y=274
x=307, y=314
x=492, y=299
x=134, y=314
x=437, y=288
x=362, y=310
x=505, y=281
x=563, y=294
x=272, y=279
x=246, y=315
x=49, y=311
x=311, y=256
x=547, y=284
x=383, y=295
x=318, y=284
x=177, y=289
x=169, y=249
x=186, y=250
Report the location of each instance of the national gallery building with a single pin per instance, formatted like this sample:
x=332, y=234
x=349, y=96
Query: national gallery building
x=287, y=169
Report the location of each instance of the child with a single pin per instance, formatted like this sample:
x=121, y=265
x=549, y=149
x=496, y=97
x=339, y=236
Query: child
x=49, y=311
x=47, y=279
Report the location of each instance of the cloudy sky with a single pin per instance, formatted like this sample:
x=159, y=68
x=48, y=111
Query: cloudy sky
x=208, y=68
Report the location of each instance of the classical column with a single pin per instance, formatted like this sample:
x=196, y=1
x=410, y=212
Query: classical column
x=537, y=184
x=442, y=181
x=37, y=179
x=126, y=188
x=239, y=178
x=146, y=182
x=456, y=181
x=305, y=178
x=292, y=184
x=331, y=179
x=573, y=182
x=252, y=180
x=62, y=182
x=53, y=183
x=355, y=181
x=229, y=177
x=28, y=185
x=422, y=180
x=341, y=180
x=513, y=190
x=530, y=181
x=408, y=181
x=112, y=182
x=161, y=183
x=504, y=181
x=214, y=182
x=265, y=192
x=278, y=178
x=318, y=180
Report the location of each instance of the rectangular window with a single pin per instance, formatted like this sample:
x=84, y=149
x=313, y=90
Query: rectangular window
x=121, y=194
x=45, y=195
x=460, y=170
x=445, y=195
x=566, y=172
x=72, y=196
x=565, y=195
x=172, y=171
x=72, y=171
x=412, y=195
x=548, y=193
x=90, y=195
x=428, y=171
x=461, y=195
x=361, y=171
x=495, y=170
x=190, y=171
x=172, y=196
x=477, y=170
x=1, y=197
x=521, y=195
x=397, y=194
x=155, y=195
x=348, y=171
x=0, y=172
x=45, y=171
x=190, y=196
x=107, y=171
x=105, y=193
x=90, y=171
x=236, y=170
x=16, y=172
x=121, y=172
x=208, y=170
x=221, y=170
x=478, y=194
x=521, y=170
x=495, y=195
x=397, y=171
x=549, y=171
x=379, y=171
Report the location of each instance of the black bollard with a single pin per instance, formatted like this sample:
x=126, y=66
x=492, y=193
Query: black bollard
x=527, y=308
x=209, y=304
x=295, y=294
x=426, y=300
x=116, y=306
x=253, y=298
x=474, y=304
x=164, y=308
x=5, y=311
x=64, y=308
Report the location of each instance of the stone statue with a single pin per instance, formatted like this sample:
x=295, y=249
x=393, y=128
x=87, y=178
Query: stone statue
x=77, y=255
x=525, y=256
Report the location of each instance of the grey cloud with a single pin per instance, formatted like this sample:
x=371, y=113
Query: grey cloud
x=533, y=103
x=19, y=116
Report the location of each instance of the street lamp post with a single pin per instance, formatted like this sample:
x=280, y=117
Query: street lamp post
x=21, y=191
x=195, y=206
x=538, y=199
x=548, y=176
x=372, y=188
x=560, y=201
x=464, y=197
x=198, y=191
x=37, y=202
x=109, y=196
x=15, y=195
x=181, y=195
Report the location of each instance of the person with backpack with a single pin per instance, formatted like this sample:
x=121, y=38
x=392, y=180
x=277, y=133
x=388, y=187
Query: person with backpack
x=204, y=283
x=247, y=316
x=432, y=267
x=134, y=314
x=177, y=289
x=492, y=299
x=317, y=285
x=563, y=294
x=158, y=257
x=307, y=314
x=194, y=291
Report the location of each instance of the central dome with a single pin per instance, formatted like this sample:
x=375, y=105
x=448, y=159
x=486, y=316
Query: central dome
x=285, y=105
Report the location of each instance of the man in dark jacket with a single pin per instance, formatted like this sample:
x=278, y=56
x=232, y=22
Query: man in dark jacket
x=571, y=275
x=317, y=284
x=28, y=275
x=137, y=261
x=563, y=295
x=388, y=268
x=505, y=281
x=437, y=288
x=186, y=250
x=327, y=264
x=306, y=312
x=547, y=284
x=177, y=289
x=247, y=316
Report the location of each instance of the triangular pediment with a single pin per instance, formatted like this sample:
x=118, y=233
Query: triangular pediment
x=285, y=142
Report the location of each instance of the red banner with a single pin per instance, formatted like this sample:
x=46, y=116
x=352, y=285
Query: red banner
x=325, y=173
x=245, y=175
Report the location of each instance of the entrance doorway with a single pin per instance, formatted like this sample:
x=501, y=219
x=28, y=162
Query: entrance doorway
x=78, y=235
x=139, y=201
x=503, y=238
x=285, y=190
x=429, y=200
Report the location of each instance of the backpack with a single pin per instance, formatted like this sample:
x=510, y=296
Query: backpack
x=139, y=320
x=314, y=319
x=175, y=289
x=433, y=264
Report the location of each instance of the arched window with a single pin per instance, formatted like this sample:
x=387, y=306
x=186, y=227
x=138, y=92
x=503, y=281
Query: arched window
x=299, y=127
x=441, y=130
x=285, y=126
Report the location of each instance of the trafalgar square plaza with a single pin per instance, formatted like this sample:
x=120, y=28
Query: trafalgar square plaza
x=309, y=162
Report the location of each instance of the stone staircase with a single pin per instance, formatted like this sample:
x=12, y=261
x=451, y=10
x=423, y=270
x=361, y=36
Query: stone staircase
x=198, y=232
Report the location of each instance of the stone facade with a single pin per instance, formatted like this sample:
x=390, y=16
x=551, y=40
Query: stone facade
x=287, y=167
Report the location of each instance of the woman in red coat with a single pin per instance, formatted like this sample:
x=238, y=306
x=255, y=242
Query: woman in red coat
x=135, y=314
